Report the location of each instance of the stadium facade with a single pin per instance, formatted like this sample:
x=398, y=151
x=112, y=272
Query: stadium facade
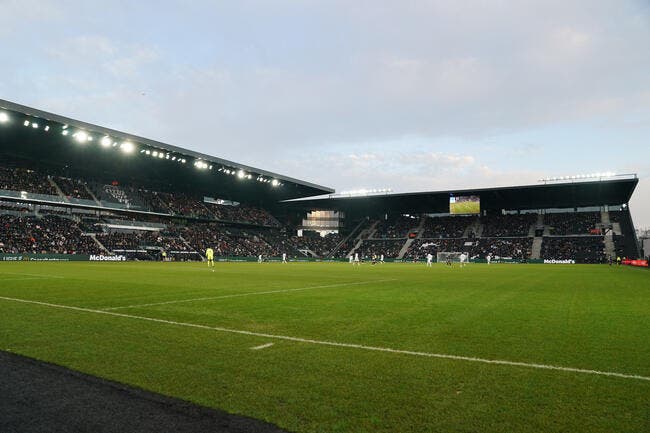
x=69, y=188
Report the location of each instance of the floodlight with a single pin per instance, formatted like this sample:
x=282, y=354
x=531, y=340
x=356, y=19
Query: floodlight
x=106, y=141
x=173, y=158
x=161, y=155
x=47, y=127
x=155, y=153
x=275, y=182
x=26, y=123
x=4, y=117
x=127, y=147
x=34, y=125
x=241, y=174
x=65, y=132
x=80, y=136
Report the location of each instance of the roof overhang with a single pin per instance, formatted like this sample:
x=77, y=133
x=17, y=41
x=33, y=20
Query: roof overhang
x=302, y=188
x=614, y=191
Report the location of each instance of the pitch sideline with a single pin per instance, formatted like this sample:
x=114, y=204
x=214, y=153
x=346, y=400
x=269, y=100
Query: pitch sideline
x=345, y=345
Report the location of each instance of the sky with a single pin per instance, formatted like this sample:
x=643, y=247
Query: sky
x=409, y=95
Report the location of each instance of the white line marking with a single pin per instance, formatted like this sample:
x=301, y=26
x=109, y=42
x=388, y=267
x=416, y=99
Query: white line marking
x=20, y=279
x=263, y=346
x=31, y=275
x=247, y=294
x=346, y=345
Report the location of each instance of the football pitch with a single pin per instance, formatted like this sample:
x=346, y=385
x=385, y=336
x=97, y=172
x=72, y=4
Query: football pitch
x=327, y=347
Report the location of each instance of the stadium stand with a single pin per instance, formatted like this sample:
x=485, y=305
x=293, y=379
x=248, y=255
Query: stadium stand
x=21, y=179
x=582, y=249
x=48, y=234
x=56, y=199
x=507, y=225
x=446, y=227
x=395, y=227
x=73, y=188
x=388, y=247
x=575, y=223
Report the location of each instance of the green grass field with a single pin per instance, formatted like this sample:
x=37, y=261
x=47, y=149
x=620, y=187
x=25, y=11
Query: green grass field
x=588, y=317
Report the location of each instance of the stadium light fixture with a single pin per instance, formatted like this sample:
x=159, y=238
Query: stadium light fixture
x=47, y=128
x=26, y=123
x=106, y=141
x=34, y=125
x=80, y=136
x=241, y=174
x=65, y=132
x=275, y=182
x=127, y=147
x=4, y=117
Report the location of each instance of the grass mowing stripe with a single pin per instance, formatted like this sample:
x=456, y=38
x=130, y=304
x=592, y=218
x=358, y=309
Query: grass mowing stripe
x=268, y=292
x=30, y=275
x=345, y=345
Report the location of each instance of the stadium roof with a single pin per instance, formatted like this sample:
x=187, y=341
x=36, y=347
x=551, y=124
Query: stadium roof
x=75, y=148
x=611, y=192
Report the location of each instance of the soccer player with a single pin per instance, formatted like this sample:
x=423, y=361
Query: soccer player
x=356, y=259
x=259, y=259
x=209, y=255
x=284, y=257
x=351, y=259
x=381, y=258
x=463, y=257
x=429, y=259
x=488, y=258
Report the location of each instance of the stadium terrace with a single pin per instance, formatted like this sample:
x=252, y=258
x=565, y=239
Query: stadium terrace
x=71, y=188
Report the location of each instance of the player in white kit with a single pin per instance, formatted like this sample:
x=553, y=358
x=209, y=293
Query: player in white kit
x=463, y=260
x=488, y=258
x=350, y=257
x=356, y=259
x=429, y=259
x=284, y=257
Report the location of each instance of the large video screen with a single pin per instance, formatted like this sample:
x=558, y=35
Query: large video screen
x=464, y=205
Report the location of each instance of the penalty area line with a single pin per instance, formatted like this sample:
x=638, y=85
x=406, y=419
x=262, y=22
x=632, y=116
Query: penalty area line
x=237, y=295
x=337, y=344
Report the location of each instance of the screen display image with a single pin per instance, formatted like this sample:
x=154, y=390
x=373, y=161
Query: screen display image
x=463, y=205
